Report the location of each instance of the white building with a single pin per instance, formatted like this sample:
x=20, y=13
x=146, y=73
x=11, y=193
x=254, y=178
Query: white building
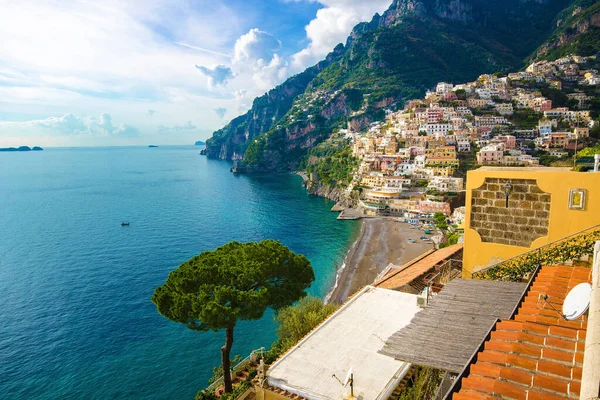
x=443, y=88
x=446, y=184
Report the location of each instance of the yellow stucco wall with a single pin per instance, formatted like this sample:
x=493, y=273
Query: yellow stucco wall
x=563, y=221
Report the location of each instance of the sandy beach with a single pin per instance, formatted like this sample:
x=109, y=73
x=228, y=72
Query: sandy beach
x=380, y=242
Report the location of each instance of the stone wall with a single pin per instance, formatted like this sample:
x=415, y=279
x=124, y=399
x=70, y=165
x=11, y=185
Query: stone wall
x=525, y=219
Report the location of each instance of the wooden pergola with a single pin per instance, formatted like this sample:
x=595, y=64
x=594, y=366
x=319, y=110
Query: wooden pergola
x=448, y=331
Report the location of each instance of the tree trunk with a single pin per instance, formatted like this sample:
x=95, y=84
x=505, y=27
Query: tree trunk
x=225, y=350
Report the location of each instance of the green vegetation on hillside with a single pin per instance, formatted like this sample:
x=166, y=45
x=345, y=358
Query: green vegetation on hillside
x=295, y=322
x=574, y=34
x=393, y=58
x=333, y=163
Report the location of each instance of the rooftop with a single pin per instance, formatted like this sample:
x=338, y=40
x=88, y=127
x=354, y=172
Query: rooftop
x=448, y=331
x=525, y=169
x=536, y=354
x=396, y=278
x=350, y=338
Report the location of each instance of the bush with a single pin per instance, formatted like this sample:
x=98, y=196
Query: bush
x=296, y=321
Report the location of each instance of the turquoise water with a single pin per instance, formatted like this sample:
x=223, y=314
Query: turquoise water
x=76, y=319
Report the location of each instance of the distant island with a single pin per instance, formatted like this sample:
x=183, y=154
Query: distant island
x=153, y=145
x=21, y=148
x=200, y=143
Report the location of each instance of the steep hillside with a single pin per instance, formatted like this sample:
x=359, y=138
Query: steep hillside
x=396, y=56
x=577, y=32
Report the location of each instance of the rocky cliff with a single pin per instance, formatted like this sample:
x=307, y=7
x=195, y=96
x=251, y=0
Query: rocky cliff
x=396, y=56
x=577, y=31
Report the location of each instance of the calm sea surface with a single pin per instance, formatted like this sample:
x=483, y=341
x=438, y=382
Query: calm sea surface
x=76, y=319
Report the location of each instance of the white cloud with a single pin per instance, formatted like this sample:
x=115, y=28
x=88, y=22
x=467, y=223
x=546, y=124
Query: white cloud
x=241, y=103
x=218, y=75
x=127, y=58
x=220, y=112
x=257, y=50
x=269, y=75
x=70, y=124
x=255, y=46
x=188, y=126
x=332, y=26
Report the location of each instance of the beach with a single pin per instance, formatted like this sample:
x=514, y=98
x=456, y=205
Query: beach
x=381, y=241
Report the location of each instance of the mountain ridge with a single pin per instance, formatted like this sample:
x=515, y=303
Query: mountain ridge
x=395, y=56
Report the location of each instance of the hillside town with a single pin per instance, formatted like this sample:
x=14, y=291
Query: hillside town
x=415, y=162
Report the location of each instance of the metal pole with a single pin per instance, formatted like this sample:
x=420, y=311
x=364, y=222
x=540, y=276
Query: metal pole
x=351, y=386
x=575, y=155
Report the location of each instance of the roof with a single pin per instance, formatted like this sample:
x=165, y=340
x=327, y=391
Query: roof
x=524, y=169
x=410, y=271
x=348, y=339
x=448, y=331
x=537, y=354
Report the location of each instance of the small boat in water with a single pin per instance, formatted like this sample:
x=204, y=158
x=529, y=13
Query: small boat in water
x=124, y=223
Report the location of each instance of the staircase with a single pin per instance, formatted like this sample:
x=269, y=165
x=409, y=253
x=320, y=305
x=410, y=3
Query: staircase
x=537, y=354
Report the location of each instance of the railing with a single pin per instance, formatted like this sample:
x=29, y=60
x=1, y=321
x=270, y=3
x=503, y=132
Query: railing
x=569, y=248
x=239, y=366
x=446, y=272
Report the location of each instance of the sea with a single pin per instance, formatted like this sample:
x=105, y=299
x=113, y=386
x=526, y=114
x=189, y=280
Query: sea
x=76, y=320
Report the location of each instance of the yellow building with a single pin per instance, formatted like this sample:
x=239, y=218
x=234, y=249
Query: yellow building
x=442, y=170
x=544, y=205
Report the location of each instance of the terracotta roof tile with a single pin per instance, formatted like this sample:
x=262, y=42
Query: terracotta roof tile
x=410, y=271
x=536, y=355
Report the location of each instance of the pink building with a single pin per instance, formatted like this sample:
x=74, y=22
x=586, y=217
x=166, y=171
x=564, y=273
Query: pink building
x=490, y=155
x=509, y=140
x=434, y=115
x=431, y=207
x=546, y=105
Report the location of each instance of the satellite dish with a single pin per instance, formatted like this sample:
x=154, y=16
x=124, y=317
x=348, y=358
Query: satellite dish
x=348, y=377
x=577, y=301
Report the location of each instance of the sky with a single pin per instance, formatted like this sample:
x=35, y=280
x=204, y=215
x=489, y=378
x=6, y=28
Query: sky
x=139, y=72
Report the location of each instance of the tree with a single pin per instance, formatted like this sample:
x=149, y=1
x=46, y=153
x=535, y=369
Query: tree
x=237, y=281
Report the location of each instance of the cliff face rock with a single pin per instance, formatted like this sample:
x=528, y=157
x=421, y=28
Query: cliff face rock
x=577, y=32
x=394, y=57
x=231, y=141
x=330, y=192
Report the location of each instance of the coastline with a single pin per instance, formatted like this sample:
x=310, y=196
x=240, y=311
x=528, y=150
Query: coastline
x=381, y=241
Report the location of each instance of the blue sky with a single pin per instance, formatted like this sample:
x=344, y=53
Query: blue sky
x=85, y=73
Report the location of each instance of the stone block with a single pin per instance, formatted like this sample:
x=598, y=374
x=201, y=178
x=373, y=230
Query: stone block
x=525, y=204
x=542, y=214
x=521, y=220
x=513, y=204
x=535, y=189
x=532, y=197
x=497, y=234
x=538, y=206
x=501, y=226
x=484, y=232
x=528, y=213
x=520, y=189
x=493, y=218
x=533, y=222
